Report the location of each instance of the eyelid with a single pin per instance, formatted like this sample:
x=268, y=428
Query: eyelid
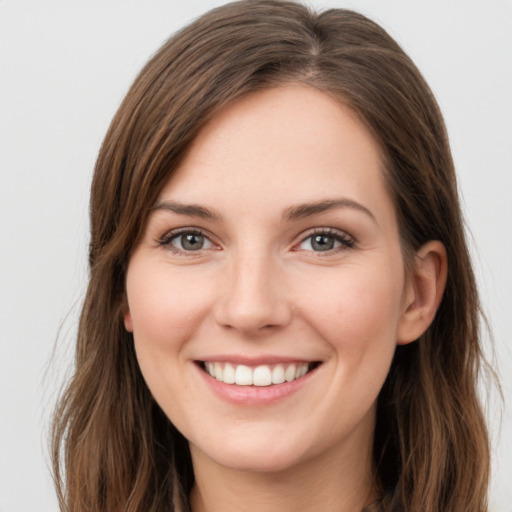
x=166, y=240
x=347, y=241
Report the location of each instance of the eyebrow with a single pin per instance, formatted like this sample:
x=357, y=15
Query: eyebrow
x=291, y=213
x=305, y=210
x=191, y=210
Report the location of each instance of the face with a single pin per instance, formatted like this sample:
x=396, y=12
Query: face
x=267, y=294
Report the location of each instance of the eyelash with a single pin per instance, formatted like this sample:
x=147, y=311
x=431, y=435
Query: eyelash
x=167, y=239
x=346, y=242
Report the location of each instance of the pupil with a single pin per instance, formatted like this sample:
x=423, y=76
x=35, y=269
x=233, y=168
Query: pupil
x=322, y=242
x=192, y=242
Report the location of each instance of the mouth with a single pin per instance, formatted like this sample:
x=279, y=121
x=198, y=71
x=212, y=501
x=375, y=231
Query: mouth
x=259, y=376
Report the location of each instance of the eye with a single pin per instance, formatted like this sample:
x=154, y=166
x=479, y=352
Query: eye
x=186, y=241
x=324, y=240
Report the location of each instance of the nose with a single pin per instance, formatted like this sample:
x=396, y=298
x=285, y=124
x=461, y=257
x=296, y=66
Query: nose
x=253, y=300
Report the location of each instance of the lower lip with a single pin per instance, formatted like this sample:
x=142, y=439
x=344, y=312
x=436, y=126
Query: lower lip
x=254, y=395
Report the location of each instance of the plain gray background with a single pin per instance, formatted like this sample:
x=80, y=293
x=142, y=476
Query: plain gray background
x=64, y=67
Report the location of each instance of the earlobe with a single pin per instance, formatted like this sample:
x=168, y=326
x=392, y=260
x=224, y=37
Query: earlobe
x=425, y=291
x=128, y=325
x=127, y=317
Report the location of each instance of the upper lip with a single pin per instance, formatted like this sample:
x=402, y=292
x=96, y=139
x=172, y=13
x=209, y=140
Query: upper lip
x=255, y=361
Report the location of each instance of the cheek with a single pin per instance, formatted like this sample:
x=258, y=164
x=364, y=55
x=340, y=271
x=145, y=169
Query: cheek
x=165, y=309
x=357, y=312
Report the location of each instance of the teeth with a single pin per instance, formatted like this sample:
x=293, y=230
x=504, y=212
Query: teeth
x=290, y=373
x=263, y=375
x=229, y=374
x=301, y=371
x=243, y=375
x=278, y=374
x=217, y=371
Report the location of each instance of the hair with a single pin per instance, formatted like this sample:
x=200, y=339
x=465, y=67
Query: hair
x=113, y=448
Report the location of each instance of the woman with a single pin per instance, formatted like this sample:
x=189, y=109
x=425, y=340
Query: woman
x=281, y=311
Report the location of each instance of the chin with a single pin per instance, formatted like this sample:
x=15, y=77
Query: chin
x=255, y=456
x=260, y=462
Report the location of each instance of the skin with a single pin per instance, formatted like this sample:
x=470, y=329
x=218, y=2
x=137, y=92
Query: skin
x=257, y=288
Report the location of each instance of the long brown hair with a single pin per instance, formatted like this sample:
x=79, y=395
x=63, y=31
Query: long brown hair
x=113, y=448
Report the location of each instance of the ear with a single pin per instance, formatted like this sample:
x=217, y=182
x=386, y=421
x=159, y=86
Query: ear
x=128, y=325
x=127, y=317
x=424, y=291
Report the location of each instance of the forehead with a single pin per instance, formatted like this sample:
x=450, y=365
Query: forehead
x=292, y=143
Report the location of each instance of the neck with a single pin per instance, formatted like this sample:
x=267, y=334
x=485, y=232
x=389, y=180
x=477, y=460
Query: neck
x=325, y=483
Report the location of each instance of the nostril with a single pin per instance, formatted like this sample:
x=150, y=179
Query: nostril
x=252, y=316
x=251, y=301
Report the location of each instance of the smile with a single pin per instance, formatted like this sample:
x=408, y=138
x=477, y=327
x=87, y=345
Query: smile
x=262, y=375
